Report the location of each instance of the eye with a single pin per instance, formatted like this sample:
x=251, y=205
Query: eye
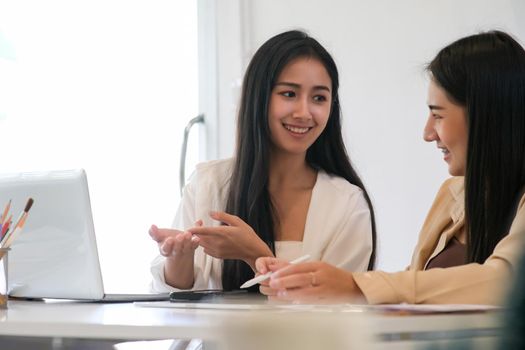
x=436, y=116
x=320, y=98
x=288, y=94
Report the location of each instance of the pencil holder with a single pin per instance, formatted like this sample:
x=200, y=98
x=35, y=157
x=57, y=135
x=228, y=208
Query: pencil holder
x=3, y=277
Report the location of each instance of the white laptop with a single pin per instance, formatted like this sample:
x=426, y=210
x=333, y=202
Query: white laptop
x=55, y=256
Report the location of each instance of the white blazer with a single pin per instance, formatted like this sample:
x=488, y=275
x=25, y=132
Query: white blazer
x=338, y=227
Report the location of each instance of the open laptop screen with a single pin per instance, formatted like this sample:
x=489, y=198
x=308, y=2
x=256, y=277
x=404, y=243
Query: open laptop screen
x=55, y=256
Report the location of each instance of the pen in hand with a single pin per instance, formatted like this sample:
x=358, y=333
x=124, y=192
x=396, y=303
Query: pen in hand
x=267, y=275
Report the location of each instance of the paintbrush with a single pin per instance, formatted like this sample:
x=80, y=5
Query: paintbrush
x=11, y=235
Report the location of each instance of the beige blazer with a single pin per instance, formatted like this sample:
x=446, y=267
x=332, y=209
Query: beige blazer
x=468, y=284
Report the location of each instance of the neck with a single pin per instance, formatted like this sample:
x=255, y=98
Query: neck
x=290, y=171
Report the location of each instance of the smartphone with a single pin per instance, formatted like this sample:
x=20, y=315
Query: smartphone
x=206, y=294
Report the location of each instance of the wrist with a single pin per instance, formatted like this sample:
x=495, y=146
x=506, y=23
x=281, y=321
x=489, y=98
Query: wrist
x=262, y=252
x=356, y=293
x=180, y=256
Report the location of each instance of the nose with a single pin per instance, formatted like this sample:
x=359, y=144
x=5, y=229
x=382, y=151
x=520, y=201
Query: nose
x=302, y=109
x=429, y=132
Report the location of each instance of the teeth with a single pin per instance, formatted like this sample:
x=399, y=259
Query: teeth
x=296, y=129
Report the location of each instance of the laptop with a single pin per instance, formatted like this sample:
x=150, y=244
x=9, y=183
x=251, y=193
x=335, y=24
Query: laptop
x=55, y=256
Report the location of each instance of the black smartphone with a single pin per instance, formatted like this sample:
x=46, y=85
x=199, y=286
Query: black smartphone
x=206, y=294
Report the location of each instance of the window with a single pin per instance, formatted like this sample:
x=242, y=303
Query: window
x=107, y=86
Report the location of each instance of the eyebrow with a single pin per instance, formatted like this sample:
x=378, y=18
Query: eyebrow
x=297, y=86
x=434, y=107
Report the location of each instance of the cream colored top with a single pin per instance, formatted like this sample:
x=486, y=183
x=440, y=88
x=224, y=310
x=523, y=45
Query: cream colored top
x=472, y=283
x=288, y=250
x=337, y=230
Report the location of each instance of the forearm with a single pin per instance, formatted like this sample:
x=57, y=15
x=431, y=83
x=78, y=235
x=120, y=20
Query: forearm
x=178, y=271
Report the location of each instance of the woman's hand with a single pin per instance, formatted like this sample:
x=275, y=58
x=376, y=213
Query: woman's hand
x=237, y=240
x=310, y=282
x=174, y=242
x=267, y=264
x=178, y=247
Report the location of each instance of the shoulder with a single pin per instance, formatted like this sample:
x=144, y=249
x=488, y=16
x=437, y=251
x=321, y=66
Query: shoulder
x=452, y=190
x=449, y=201
x=454, y=180
x=219, y=165
x=214, y=169
x=211, y=174
x=454, y=185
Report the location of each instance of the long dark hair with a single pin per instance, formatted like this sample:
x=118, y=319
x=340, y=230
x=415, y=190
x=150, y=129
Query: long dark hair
x=248, y=195
x=485, y=73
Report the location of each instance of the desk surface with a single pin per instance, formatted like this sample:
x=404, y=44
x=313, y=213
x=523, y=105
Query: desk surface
x=128, y=321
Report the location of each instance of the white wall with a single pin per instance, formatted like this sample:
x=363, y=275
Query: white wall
x=381, y=48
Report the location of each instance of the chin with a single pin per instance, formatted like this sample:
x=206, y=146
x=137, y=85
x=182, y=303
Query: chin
x=294, y=151
x=455, y=171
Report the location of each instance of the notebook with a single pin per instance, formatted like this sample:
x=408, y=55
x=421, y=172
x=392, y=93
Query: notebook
x=56, y=256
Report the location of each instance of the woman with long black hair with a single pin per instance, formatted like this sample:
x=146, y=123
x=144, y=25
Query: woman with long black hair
x=290, y=188
x=472, y=238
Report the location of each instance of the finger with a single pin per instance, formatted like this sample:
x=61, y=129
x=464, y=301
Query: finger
x=160, y=234
x=267, y=290
x=191, y=243
x=166, y=247
x=181, y=243
x=299, y=280
x=265, y=283
x=262, y=265
x=228, y=219
x=178, y=245
x=292, y=269
x=185, y=241
x=195, y=241
x=278, y=265
x=154, y=233
x=210, y=230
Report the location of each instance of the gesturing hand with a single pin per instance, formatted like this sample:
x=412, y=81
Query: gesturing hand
x=235, y=240
x=173, y=242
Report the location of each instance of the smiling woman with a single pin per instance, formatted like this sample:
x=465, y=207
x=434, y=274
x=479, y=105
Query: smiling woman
x=106, y=86
x=271, y=198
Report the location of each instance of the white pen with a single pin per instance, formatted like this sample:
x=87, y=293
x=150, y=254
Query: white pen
x=267, y=275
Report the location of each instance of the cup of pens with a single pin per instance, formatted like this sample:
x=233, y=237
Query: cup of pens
x=9, y=230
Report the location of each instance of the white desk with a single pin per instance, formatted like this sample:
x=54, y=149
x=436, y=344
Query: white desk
x=128, y=321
